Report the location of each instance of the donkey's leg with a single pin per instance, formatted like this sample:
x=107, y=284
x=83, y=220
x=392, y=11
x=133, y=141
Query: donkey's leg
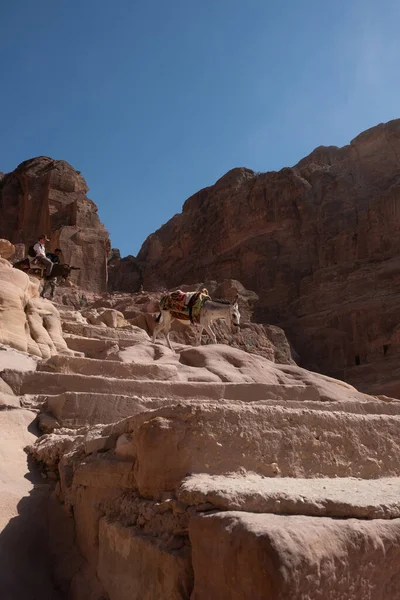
x=167, y=327
x=199, y=331
x=158, y=327
x=53, y=285
x=205, y=323
x=44, y=289
x=164, y=325
x=210, y=332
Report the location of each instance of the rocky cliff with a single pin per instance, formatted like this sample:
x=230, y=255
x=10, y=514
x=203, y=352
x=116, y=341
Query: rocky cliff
x=48, y=196
x=189, y=474
x=319, y=243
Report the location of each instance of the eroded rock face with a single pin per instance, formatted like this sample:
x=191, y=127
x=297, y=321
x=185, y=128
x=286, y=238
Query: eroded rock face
x=48, y=196
x=7, y=249
x=177, y=465
x=248, y=547
x=124, y=274
x=152, y=495
x=318, y=243
x=27, y=322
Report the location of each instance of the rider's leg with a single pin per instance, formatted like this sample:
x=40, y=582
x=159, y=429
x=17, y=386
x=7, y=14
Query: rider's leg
x=47, y=262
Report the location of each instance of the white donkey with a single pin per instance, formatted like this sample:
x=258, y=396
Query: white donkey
x=210, y=311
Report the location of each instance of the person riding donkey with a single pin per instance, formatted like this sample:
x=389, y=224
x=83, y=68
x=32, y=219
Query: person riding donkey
x=40, y=250
x=55, y=256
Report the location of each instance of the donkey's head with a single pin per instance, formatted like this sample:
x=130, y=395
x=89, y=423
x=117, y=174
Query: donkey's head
x=235, y=313
x=63, y=271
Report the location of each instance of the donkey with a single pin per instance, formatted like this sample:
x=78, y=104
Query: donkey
x=209, y=311
x=58, y=273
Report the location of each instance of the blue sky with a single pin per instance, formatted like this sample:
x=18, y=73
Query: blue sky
x=153, y=100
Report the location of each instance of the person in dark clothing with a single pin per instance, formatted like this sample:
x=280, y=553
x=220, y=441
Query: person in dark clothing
x=55, y=256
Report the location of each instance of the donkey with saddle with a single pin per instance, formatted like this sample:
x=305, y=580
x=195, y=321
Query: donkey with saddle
x=199, y=309
x=58, y=274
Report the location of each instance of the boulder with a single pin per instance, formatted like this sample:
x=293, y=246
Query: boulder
x=28, y=323
x=7, y=249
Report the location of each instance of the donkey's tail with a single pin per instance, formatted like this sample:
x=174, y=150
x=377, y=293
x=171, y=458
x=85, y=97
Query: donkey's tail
x=157, y=319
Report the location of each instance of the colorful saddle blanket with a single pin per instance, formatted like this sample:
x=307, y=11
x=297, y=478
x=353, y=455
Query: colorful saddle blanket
x=185, y=306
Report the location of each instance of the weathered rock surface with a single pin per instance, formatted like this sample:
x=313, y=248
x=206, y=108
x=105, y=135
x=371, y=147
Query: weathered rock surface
x=317, y=242
x=335, y=497
x=7, y=249
x=153, y=449
x=124, y=558
x=124, y=274
x=26, y=566
x=48, y=196
x=293, y=558
x=27, y=322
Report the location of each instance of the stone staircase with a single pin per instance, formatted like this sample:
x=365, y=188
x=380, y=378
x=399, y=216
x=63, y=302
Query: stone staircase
x=185, y=484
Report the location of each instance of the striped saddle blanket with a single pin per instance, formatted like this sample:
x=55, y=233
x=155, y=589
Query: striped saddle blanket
x=185, y=306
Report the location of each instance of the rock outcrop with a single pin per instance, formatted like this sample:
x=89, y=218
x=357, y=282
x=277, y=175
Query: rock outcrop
x=7, y=249
x=48, y=196
x=27, y=322
x=317, y=242
x=209, y=472
x=163, y=469
x=124, y=274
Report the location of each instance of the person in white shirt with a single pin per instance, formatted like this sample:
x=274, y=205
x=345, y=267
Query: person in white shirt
x=41, y=257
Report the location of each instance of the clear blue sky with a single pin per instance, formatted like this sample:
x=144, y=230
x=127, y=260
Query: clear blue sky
x=154, y=99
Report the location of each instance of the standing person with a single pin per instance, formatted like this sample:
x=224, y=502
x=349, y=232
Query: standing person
x=55, y=256
x=40, y=250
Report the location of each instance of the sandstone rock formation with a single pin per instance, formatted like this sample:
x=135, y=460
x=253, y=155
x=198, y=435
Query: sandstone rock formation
x=161, y=470
x=179, y=470
x=317, y=242
x=213, y=472
x=27, y=322
x=7, y=249
x=48, y=196
x=123, y=273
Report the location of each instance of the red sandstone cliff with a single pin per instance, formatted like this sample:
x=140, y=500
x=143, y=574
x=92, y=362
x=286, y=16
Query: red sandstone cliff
x=318, y=242
x=43, y=195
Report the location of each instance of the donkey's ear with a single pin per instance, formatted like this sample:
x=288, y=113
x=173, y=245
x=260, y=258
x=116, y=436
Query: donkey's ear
x=236, y=299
